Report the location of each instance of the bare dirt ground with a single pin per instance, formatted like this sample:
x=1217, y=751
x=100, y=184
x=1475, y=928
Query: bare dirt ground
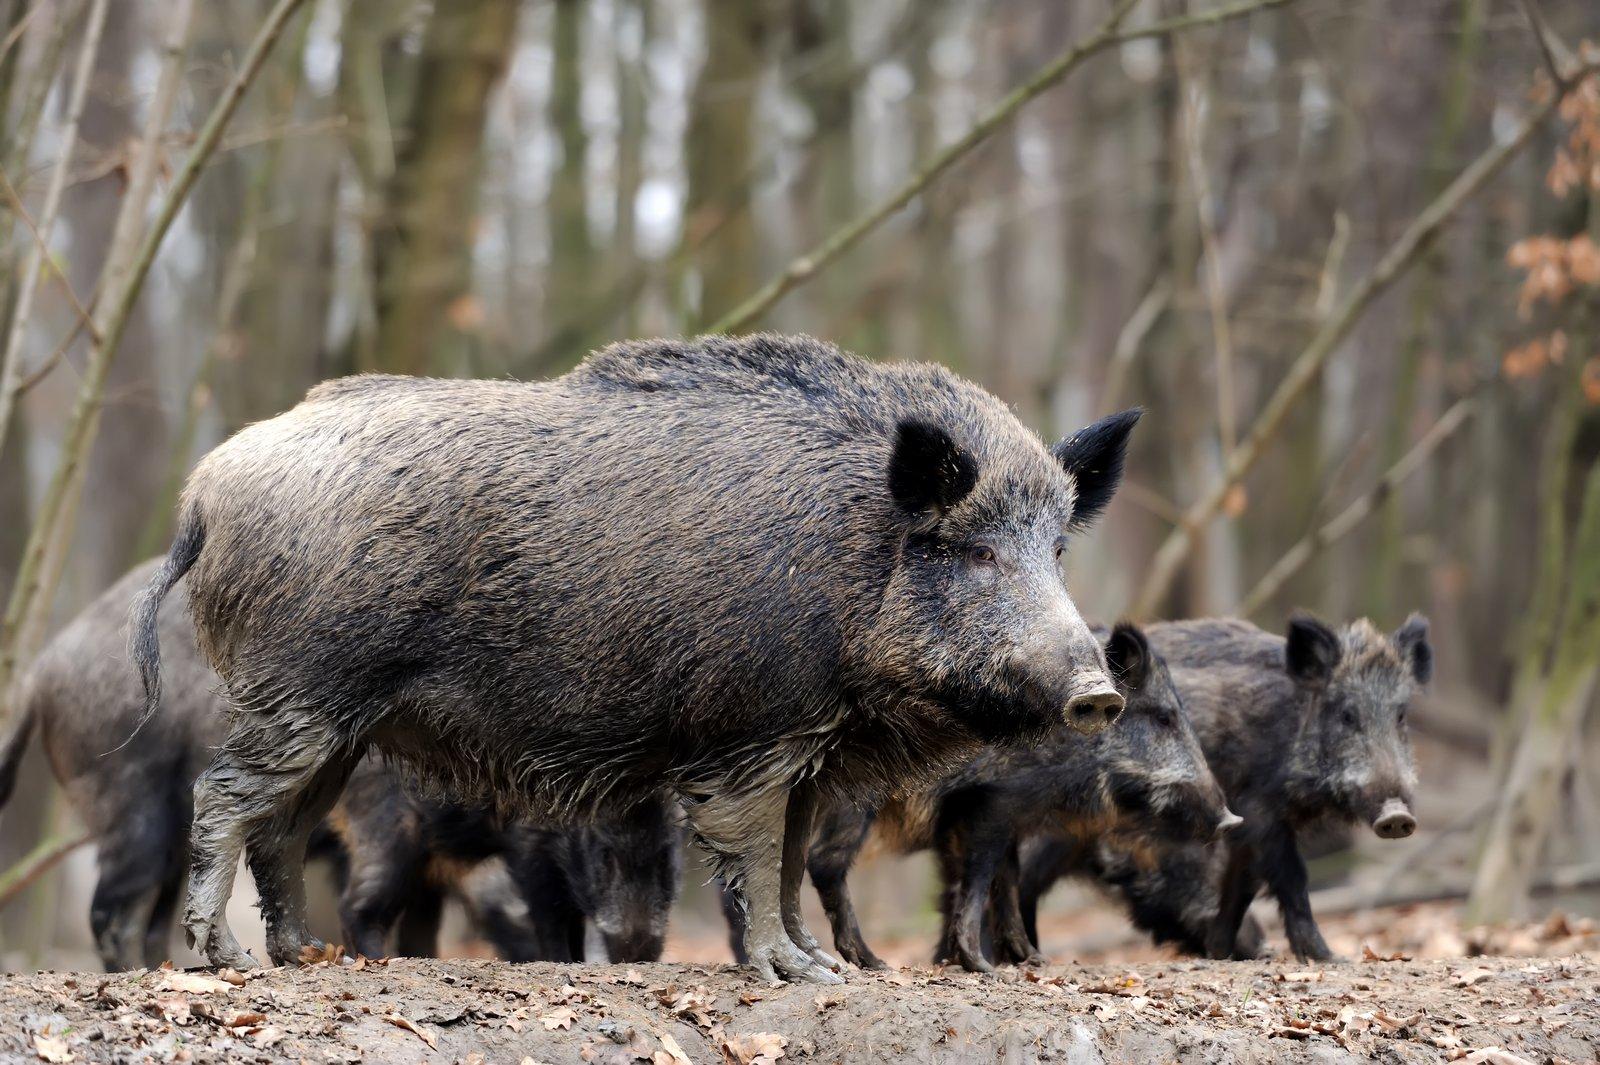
x=1534, y=997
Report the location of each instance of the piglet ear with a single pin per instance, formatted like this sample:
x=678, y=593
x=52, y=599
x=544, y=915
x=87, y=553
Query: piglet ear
x=1093, y=456
x=1129, y=656
x=1312, y=651
x=1411, y=640
x=929, y=471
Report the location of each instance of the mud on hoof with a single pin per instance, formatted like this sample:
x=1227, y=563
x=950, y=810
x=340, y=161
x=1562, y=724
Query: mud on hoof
x=780, y=961
x=291, y=948
x=216, y=944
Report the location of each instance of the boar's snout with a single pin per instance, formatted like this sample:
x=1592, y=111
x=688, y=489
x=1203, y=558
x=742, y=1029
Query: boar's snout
x=1229, y=822
x=634, y=945
x=1093, y=707
x=1395, y=820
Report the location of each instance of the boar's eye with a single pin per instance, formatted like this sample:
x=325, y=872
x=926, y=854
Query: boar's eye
x=981, y=555
x=1348, y=715
x=1061, y=549
x=1162, y=716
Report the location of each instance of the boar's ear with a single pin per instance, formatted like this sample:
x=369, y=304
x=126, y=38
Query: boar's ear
x=928, y=470
x=1093, y=456
x=1128, y=655
x=1312, y=651
x=1411, y=639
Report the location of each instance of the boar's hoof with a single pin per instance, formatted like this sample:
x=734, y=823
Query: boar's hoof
x=1394, y=821
x=216, y=944
x=781, y=960
x=1091, y=711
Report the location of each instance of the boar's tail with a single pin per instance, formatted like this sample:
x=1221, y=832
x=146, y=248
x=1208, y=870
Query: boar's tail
x=144, y=647
x=12, y=748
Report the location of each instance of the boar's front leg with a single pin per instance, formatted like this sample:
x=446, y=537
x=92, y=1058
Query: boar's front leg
x=798, y=821
x=745, y=832
x=1284, y=870
x=834, y=847
x=1012, y=943
x=1239, y=886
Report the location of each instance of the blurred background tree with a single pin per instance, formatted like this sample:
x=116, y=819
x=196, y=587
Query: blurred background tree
x=1369, y=221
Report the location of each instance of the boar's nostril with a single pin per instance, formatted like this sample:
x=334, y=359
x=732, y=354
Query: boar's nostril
x=1394, y=821
x=1091, y=711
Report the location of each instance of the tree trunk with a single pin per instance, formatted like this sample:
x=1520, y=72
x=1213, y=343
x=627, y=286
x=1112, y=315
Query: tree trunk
x=423, y=247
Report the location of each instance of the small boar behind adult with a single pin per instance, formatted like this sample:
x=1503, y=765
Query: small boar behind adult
x=747, y=569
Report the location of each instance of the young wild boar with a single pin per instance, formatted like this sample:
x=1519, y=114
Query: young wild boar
x=751, y=570
x=622, y=875
x=1145, y=775
x=131, y=788
x=528, y=889
x=1170, y=889
x=1302, y=731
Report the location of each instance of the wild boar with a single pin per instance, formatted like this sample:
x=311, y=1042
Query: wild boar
x=751, y=570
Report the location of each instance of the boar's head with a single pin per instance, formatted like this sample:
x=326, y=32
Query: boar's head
x=627, y=871
x=1353, y=749
x=1156, y=770
x=976, y=616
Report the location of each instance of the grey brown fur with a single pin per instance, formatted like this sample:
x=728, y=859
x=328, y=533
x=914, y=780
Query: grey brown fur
x=131, y=787
x=753, y=570
x=1304, y=731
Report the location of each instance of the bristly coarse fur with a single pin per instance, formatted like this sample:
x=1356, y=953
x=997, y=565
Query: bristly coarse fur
x=670, y=564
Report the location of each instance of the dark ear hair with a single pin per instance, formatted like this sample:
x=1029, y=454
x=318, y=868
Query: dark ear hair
x=1412, y=641
x=928, y=470
x=1093, y=455
x=1129, y=656
x=1313, y=650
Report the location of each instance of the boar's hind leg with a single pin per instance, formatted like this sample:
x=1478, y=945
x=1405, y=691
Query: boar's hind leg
x=984, y=851
x=1239, y=886
x=798, y=821
x=276, y=848
x=745, y=833
x=1011, y=940
x=257, y=776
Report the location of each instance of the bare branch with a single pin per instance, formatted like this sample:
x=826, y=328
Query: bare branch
x=54, y=519
x=1410, y=245
x=11, y=361
x=1342, y=524
x=42, y=247
x=36, y=863
x=1556, y=57
x=808, y=265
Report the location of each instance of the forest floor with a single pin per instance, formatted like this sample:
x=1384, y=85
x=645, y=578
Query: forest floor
x=1534, y=997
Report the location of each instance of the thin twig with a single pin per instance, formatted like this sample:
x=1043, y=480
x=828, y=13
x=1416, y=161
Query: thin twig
x=1410, y=245
x=1129, y=340
x=11, y=361
x=1342, y=524
x=1550, y=48
x=18, y=30
x=42, y=246
x=1107, y=35
x=17, y=879
x=54, y=519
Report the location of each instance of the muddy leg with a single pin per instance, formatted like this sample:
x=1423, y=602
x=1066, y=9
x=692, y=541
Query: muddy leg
x=745, y=832
x=277, y=855
x=797, y=826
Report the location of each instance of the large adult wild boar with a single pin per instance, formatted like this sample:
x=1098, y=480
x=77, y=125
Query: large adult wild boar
x=752, y=570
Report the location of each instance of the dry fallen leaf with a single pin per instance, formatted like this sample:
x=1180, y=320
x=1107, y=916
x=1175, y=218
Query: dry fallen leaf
x=761, y=1048
x=244, y=1019
x=1469, y=977
x=1495, y=1056
x=232, y=976
x=412, y=1026
x=826, y=1000
x=192, y=983
x=674, y=1054
x=1368, y=954
x=266, y=1037
x=51, y=1048
x=633, y=977
x=562, y=1017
